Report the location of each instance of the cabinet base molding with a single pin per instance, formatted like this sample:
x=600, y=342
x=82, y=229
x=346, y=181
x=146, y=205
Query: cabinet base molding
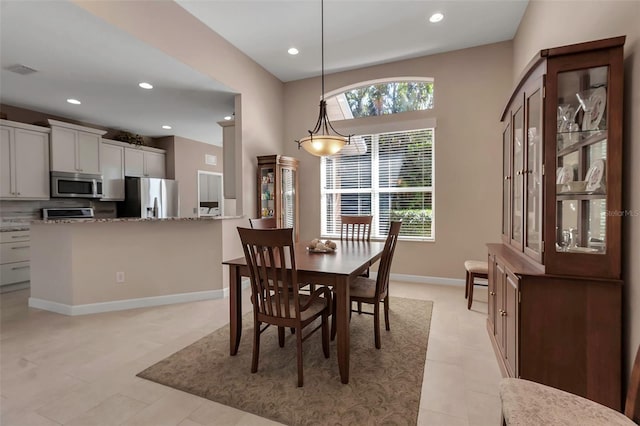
x=120, y=305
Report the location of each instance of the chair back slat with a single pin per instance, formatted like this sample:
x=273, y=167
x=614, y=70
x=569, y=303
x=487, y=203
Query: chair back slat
x=272, y=269
x=355, y=228
x=382, y=280
x=632, y=405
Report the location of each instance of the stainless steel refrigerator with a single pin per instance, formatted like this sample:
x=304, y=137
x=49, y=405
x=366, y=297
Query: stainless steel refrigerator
x=150, y=198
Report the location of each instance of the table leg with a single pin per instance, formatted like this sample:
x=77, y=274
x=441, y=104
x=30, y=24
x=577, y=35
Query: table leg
x=342, y=315
x=235, y=307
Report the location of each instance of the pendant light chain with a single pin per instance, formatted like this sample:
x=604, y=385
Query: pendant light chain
x=322, y=42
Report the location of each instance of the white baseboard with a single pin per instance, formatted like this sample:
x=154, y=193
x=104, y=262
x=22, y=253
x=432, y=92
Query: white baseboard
x=427, y=280
x=120, y=305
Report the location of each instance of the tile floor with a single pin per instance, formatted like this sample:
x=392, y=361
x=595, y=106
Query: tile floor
x=60, y=370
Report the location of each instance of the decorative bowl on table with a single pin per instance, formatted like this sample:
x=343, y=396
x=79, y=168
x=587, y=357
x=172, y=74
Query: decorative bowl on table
x=318, y=246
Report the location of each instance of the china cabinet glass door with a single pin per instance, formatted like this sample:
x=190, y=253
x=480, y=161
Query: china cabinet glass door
x=517, y=204
x=506, y=185
x=533, y=174
x=267, y=192
x=581, y=161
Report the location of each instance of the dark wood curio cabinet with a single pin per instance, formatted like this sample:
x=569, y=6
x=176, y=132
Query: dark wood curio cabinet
x=554, y=282
x=278, y=190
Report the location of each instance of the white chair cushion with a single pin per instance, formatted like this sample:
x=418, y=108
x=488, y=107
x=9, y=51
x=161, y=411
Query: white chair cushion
x=530, y=403
x=476, y=266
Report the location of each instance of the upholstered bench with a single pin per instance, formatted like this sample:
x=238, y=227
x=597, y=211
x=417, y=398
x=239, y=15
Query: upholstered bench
x=527, y=403
x=475, y=269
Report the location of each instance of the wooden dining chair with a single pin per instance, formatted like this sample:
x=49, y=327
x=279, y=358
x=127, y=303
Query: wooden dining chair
x=275, y=293
x=263, y=223
x=526, y=403
x=374, y=292
x=356, y=228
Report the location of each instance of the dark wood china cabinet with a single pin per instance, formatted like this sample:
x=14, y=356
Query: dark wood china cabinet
x=555, y=292
x=278, y=190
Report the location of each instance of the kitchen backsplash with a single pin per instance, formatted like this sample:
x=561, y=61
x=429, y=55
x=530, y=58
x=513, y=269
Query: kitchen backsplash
x=19, y=212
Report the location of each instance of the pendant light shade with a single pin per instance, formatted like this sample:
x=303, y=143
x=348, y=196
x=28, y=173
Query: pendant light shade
x=320, y=141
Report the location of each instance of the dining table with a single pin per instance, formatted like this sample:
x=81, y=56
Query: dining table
x=336, y=269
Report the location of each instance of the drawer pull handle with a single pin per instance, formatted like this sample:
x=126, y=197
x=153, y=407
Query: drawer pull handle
x=19, y=236
x=19, y=247
x=503, y=313
x=15, y=268
x=493, y=293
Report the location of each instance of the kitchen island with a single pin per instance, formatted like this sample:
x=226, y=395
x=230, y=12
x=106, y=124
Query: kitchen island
x=98, y=265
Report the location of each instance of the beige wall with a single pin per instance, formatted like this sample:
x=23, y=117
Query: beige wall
x=184, y=158
x=471, y=88
x=545, y=25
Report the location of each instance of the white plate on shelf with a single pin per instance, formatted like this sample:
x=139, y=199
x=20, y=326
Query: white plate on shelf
x=595, y=175
x=564, y=174
x=598, y=102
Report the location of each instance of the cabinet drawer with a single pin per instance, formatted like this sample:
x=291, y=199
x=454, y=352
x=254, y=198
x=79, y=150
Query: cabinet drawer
x=14, y=236
x=14, y=273
x=14, y=252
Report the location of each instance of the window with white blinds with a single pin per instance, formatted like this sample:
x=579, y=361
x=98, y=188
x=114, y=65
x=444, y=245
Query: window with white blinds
x=393, y=180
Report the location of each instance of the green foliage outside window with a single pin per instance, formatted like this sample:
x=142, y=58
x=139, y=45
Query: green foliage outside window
x=390, y=98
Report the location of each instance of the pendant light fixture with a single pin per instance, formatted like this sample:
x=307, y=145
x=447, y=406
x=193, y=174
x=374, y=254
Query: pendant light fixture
x=320, y=141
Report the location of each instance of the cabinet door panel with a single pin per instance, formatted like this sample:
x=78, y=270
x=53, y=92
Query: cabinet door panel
x=154, y=165
x=492, y=295
x=32, y=164
x=6, y=169
x=133, y=162
x=533, y=174
x=511, y=324
x=63, y=150
x=112, y=166
x=88, y=153
x=500, y=290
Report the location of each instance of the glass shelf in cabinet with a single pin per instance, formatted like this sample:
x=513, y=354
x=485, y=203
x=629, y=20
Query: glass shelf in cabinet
x=568, y=142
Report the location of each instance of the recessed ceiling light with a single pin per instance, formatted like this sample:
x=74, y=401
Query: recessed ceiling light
x=436, y=17
x=146, y=85
x=74, y=101
x=293, y=51
x=166, y=127
x=228, y=117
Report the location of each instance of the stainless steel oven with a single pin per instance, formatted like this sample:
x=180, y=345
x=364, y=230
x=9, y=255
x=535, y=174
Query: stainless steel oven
x=76, y=185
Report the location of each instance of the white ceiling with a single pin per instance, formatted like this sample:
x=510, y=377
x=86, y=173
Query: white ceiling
x=78, y=55
x=357, y=33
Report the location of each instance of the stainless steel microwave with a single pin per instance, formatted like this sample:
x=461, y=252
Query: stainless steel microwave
x=75, y=185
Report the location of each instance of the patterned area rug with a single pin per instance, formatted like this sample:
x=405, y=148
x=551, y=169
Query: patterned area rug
x=384, y=385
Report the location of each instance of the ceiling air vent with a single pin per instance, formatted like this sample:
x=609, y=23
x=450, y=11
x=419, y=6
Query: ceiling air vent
x=21, y=69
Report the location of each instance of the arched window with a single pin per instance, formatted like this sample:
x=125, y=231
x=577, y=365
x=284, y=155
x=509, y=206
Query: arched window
x=380, y=97
x=388, y=169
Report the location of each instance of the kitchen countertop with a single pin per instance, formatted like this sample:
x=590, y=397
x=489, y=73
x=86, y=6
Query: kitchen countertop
x=135, y=219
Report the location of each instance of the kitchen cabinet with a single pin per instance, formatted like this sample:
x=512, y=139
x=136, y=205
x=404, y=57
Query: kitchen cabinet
x=75, y=149
x=555, y=295
x=24, y=161
x=112, y=166
x=145, y=162
x=278, y=190
x=14, y=257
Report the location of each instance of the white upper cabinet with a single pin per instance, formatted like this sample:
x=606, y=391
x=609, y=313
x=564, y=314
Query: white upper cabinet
x=112, y=166
x=75, y=149
x=24, y=161
x=145, y=162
